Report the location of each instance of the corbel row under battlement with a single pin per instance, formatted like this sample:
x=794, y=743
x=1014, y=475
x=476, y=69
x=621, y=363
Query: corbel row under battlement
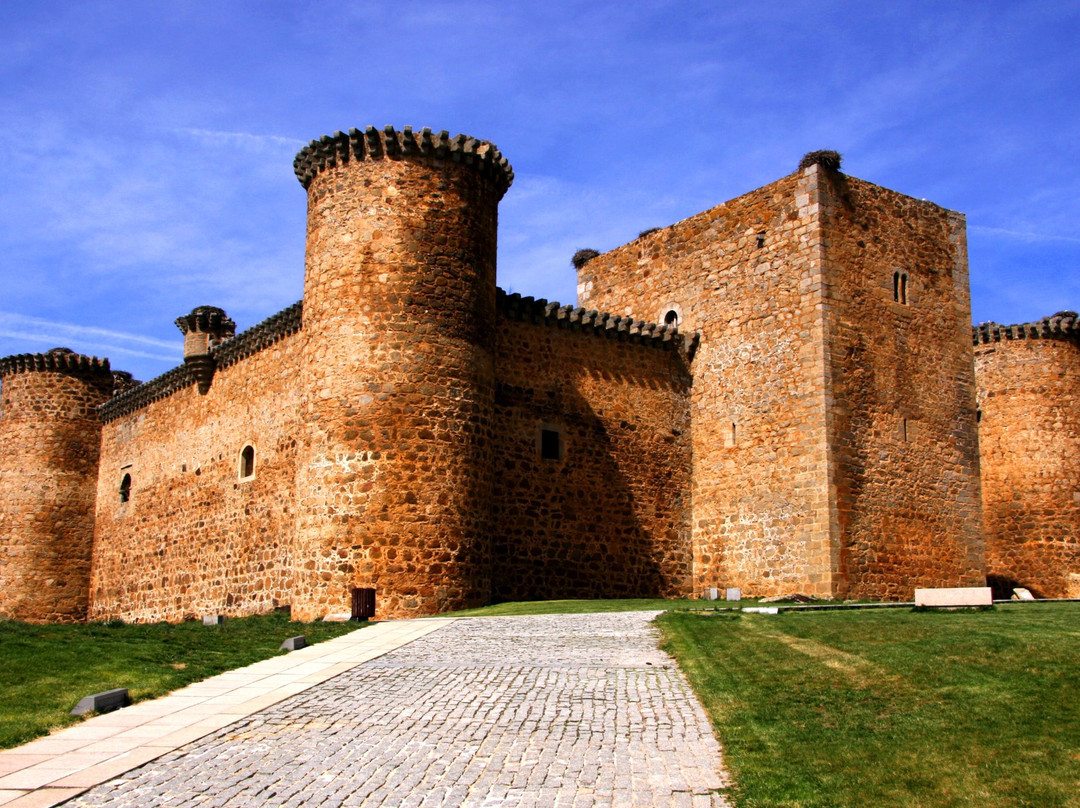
x=372, y=143
x=290, y=320
x=1063, y=325
x=257, y=338
x=543, y=312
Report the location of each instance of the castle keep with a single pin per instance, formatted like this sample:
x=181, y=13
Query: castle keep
x=777, y=394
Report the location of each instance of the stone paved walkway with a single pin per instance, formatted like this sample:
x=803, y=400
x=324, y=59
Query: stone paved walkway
x=567, y=710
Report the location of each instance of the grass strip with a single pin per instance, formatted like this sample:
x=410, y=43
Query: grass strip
x=890, y=708
x=46, y=669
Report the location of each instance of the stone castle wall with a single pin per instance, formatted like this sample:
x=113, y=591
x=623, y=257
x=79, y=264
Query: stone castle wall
x=780, y=398
x=1029, y=436
x=608, y=513
x=902, y=433
x=194, y=538
x=49, y=439
x=747, y=276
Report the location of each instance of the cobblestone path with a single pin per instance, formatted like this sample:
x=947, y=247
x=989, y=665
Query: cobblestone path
x=559, y=710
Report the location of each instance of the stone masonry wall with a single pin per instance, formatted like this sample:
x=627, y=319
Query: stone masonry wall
x=49, y=436
x=747, y=276
x=194, y=538
x=1029, y=434
x=902, y=434
x=611, y=517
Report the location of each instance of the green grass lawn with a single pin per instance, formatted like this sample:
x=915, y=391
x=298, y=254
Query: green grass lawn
x=891, y=708
x=45, y=670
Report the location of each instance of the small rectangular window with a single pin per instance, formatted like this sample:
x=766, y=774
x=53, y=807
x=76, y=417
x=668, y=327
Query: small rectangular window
x=550, y=444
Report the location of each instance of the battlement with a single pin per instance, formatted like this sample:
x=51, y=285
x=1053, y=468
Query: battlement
x=387, y=143
x=263, y=335
x=1063, y=325
x=257, y=338
x=613, y=326
x=58, y=360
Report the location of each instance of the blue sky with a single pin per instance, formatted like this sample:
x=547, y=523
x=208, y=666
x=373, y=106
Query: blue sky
x=147, y=146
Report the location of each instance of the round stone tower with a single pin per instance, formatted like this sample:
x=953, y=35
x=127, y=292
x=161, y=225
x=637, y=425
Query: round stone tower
x=1028, y=381
x=398, y=378
x=50, y=436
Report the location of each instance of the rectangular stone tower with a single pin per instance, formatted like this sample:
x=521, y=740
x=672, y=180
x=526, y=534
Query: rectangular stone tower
x=833, y=404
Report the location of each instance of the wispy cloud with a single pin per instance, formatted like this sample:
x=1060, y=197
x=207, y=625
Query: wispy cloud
x=1023, y=235
x=85, y=338
x=244, y=139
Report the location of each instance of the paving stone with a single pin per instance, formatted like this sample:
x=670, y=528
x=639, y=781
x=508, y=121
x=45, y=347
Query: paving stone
x=552, y=710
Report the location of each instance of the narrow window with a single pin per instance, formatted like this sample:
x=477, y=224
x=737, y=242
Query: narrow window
x=672, y=318
x=125, y=488
x=247, y=462
x=903, y=428
x=899, y=287
x=761, y=239
x=731, y=436
x=550, y=444
x=978, y=416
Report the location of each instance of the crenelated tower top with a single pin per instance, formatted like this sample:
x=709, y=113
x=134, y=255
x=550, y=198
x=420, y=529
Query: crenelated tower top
x=388, y=143
x=57, y=360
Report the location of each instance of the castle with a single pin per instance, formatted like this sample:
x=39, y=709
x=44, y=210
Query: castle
x=783, y=394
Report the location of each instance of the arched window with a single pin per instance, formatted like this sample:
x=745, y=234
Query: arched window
x=125, y=488
x=672, y=318
x=247, y=462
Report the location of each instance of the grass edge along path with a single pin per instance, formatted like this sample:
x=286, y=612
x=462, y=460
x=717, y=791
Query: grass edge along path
x=934, y=709
x=46, y=669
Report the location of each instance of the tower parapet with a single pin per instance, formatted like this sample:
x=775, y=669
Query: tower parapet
x=371, y=144
x=399, y=318
x=1063, y=325
x=49, y=444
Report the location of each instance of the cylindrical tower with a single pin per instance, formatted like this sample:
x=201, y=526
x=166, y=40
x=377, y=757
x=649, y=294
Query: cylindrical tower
x=398, y=378
x=50, y=437
x=1028, y=380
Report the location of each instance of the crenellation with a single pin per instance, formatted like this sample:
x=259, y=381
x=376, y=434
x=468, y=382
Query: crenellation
x=372, y=144
x=540, y=311
x=1064, y=324
x=58, y=360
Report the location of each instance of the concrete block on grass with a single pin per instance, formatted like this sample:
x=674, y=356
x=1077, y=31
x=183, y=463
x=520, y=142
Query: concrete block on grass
x=294, y=643
x=104, y=702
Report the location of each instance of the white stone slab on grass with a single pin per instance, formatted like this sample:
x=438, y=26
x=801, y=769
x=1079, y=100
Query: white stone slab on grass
x=955, y=596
